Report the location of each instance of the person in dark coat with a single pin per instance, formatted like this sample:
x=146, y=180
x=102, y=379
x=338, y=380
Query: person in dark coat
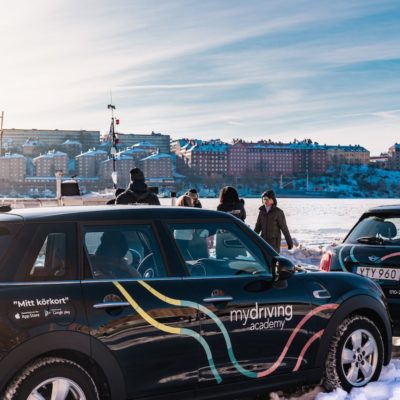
x=118, y=191
x=195, y=197
x=137, y=192
x=271, y=222
x=229, y=202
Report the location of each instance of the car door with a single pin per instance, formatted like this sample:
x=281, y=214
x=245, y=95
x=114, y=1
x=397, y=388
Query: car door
x=43, y=263
x=131, y=308
x=251, y=325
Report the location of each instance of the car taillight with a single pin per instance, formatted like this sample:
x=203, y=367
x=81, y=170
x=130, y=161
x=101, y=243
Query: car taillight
x=325, y=263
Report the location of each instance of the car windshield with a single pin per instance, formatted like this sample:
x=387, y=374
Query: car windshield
x=376, y=230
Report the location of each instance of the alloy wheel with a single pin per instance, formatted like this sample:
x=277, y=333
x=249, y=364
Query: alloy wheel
x=57, y=388
x=359, y=357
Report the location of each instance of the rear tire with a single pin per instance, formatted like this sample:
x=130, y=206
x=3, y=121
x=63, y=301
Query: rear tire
x=47, y=376
x=355, y=355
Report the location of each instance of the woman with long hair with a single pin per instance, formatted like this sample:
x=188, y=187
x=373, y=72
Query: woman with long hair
x=229, y=202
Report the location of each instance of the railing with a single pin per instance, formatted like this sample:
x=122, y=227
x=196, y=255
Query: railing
x=27, y=202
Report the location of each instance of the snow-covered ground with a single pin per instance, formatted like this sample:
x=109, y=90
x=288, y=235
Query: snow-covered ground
x=387, y=388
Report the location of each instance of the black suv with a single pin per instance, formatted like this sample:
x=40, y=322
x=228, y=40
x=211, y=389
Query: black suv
x=372, y=249
x=123, y=302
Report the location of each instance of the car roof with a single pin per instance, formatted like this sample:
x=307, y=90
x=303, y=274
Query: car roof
x=384, y=209
x=109, y=213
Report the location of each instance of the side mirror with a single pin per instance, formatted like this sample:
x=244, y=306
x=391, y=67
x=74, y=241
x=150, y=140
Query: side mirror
x=282, y=268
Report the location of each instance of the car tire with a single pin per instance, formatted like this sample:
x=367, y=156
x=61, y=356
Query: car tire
x=355, y=355
x=49, y=375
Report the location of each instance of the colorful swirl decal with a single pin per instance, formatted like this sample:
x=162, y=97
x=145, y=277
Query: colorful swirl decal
x=378, y=260
x=340, y=259
x=310, y=341
x=353, y=258
x=205, y=310
x=294, y=333
x=389, y=256
x=168, y=329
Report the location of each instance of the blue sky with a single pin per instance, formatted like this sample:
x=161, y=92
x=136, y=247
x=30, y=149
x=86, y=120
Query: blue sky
x=279, y=70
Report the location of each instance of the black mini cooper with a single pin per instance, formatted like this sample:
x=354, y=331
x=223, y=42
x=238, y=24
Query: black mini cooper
x=132, y=302
x=372, y=249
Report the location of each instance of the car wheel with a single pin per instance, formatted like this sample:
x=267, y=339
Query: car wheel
x=355, y=354
x=52, y=378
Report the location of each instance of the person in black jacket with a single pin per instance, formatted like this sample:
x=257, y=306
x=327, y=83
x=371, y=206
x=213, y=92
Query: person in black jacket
x=137, y=192
x=195, y=197
x=271, y=222
x=229, y=202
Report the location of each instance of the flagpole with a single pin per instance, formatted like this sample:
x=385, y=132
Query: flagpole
x=113, y=149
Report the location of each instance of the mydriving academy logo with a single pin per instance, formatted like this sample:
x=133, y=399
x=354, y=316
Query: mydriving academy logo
x=265, y=317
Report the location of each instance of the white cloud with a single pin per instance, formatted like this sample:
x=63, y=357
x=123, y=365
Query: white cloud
x=186, y=67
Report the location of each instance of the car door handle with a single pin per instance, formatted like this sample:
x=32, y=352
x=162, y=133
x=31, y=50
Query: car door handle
x=111, y=304
x=218, y=299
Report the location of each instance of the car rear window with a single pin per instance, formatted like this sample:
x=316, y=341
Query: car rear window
x=122, y=251
x=384, y=227
x=7, y=233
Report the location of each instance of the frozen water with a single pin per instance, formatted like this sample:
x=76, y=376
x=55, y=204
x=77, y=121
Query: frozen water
x=315, y=223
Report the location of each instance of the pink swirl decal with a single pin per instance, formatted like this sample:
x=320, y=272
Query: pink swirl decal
x=390, y=256
x=293, y=335
x=305, y=348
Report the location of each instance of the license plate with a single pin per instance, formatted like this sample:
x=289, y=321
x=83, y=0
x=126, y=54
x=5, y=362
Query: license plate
x=378, y=273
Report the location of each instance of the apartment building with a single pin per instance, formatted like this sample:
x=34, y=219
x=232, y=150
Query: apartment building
x=13, y=138
x=352, y=155
x=208, y=158
x=13, y=168
x=47, y=164
x=267, y=158
x=33, y=148
x=88, y=163
x=157, y=165
x=123, y=164
x=393, y=161
x=159, y=141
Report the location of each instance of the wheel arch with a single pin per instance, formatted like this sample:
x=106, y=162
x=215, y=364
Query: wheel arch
x=361, y=305
x=91, y=354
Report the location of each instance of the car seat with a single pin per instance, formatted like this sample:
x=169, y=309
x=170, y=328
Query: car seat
x=387, y=229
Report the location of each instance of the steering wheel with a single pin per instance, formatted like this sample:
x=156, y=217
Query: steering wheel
x=197, y=269
x=146, y=266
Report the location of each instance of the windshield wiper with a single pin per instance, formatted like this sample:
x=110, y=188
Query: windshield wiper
x=370, y=240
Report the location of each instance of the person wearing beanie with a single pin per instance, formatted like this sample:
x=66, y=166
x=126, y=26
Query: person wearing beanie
x=137, y=191
x=271, y=222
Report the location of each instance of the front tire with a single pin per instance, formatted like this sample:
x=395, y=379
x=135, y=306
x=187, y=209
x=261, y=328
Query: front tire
x=355, y=355
x=50, y=378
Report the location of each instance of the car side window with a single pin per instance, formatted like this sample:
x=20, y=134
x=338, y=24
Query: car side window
x=123, y=252
x=218, y=249
x=50, y=254
x=51, y=259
